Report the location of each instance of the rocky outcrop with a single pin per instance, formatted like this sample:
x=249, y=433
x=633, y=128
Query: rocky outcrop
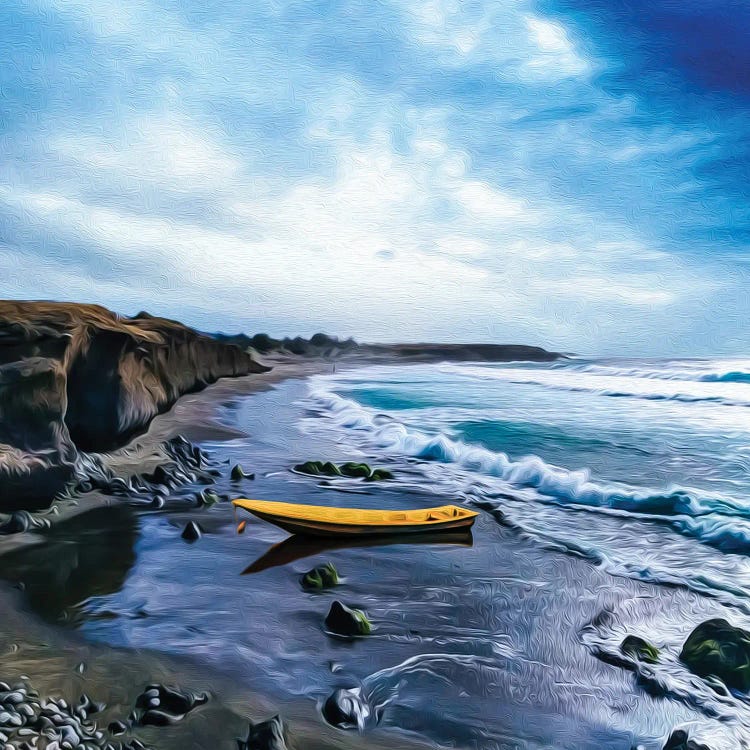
x=80, y=378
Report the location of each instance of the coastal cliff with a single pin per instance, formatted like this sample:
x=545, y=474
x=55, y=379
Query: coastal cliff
x=77, y=377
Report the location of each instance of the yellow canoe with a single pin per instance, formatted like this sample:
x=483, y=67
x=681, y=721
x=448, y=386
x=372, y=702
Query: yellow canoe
x=322, y=520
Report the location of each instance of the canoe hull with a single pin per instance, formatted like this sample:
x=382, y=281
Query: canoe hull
x=327, y=528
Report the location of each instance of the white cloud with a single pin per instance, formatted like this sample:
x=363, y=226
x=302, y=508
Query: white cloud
x=554, y=54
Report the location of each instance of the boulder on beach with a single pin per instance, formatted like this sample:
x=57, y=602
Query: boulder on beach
x=343, y=620
x=265, y=735
x=639, y=649
x=320, y=577
x=718, y=648
x=347, y=709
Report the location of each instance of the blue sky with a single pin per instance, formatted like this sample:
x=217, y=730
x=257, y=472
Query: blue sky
x=568, y=173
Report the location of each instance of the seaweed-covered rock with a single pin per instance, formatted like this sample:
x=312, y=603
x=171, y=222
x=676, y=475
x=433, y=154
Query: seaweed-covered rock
x=320, y=577
x=639, y=649
x=343, y=620
x=266, y=735
x=350, y=469
x=206, y=498
x=717, y=648
x=347, y=709
x=353, y=469
x=379, y=475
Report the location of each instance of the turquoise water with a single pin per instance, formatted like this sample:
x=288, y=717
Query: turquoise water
x=663, y=441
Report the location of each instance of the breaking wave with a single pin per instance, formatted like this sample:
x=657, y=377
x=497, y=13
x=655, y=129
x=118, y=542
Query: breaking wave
x=714, y=519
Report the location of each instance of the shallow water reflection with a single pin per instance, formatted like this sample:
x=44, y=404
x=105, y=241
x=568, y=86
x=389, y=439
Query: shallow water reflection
x=297, y=547
x=87, y=556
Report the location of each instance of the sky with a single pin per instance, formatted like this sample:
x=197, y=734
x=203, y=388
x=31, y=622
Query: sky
x=572, y=174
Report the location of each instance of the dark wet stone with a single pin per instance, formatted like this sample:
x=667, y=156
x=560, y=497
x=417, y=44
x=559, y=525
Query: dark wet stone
x=161, y=475
x=192, y=532
x=266, y=735
x=239, y=473
x=18, y=522
x=206, y=498
x=117, y=728
x=88, y=705
x=679, y=740
x=639, y=649
x=165, y=705
x=717, y=648
x=343, y=620
x=346, y=709
x=320, y=577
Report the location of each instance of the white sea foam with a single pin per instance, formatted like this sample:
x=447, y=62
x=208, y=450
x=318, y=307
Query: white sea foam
x=715, y=519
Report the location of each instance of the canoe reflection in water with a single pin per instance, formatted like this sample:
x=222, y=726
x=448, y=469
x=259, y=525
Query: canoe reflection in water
x=299, y=546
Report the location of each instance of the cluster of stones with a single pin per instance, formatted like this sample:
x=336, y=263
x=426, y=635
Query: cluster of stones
x=29, y=722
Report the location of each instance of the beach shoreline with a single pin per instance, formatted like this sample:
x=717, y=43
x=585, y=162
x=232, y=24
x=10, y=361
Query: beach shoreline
x=60, y=662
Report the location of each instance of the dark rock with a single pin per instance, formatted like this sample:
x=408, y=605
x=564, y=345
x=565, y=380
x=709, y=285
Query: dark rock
x=192, y=532
x=679, y=740
x=717, y=648
x=207, y=498
x=90, y=706
x=239, y=473
x=18, y=522
x=639, y=649
x=163, y=705
x=117, y=728
x=266, y=735
x=343, y=620
x=320, y=577
x=347, y=709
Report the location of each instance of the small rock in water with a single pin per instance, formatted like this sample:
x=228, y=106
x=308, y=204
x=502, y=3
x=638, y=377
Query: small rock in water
x=639, y=649
x=207, y=498
x=192, y=532
x=239, y=473
x=266, y=735
x=320, y=577
x=347, y=709
x=343, y=620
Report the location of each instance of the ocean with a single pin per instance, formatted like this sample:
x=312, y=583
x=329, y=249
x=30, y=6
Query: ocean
x=662, y=442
